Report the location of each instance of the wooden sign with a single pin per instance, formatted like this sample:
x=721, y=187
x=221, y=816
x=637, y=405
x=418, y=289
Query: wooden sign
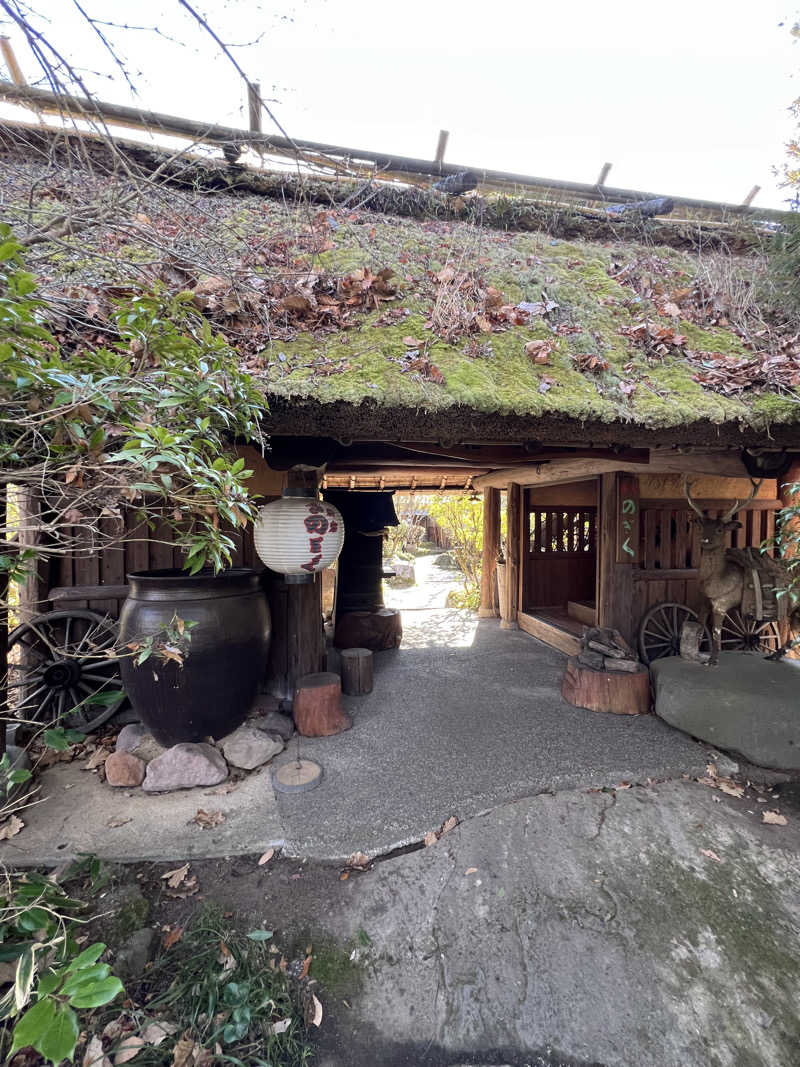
x=627, y=518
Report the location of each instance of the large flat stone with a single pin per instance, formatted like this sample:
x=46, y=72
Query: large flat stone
x=746, y=704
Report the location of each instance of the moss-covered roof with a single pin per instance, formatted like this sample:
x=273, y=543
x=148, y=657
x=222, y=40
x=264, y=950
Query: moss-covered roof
x=630, y=333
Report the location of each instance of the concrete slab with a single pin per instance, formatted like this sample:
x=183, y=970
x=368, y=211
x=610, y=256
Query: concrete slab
x=78, y=814
x=657, y=927
x=746, y=704
x=464, y=717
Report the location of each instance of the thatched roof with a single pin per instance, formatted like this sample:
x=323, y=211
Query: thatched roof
x=426, y=317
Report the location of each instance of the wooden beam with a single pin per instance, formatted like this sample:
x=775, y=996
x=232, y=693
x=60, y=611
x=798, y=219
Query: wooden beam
x=14, y=68
x=513, y=555
x=491, y=545
x=551, y=635
x=547, y=472
x=748, y=200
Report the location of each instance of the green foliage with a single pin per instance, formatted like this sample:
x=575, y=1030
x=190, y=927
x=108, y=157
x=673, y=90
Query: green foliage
x=54, y=979
x=784, y=265
x=225, y=986
x=146, y=421
x=461, y=517
x=402, y=540
x=787, y=538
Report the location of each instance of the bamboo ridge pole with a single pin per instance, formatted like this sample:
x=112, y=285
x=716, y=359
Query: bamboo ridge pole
x=77, y=107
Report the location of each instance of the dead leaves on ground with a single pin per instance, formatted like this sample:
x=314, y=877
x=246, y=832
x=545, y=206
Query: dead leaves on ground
x=714, y=780
x=190, y=1053
x=773, y=818
x=207, y=820
x=172, y=935
x=11, y=827
x=359, y=861
x=180, y=884
x=433, y=836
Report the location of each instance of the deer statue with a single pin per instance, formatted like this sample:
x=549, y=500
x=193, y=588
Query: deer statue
x=721, y=578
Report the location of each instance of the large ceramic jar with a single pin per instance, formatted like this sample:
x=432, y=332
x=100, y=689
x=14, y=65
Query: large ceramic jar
x=215, y=687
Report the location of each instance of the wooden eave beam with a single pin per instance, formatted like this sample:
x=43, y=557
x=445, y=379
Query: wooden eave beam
x=547, y=472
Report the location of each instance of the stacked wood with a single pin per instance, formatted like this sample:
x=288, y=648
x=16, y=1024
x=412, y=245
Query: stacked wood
x=356, y=671
x=607, y=675
x=605, y=649
x=317, y=707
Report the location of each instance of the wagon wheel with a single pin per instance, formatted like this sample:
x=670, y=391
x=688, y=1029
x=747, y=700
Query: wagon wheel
x=660, y=631
x=743, y=633
x=61, y=668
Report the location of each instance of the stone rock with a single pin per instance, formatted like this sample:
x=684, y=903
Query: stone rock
x=137, y=739
x=124, y=769
x=746, y=704
x=134, y=954
x=248, y=747
x=276, y=724
x=149, y=749
x=131, y=736
x=185, y=766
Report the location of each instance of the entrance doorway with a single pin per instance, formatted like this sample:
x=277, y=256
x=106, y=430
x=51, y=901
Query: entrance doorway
x=559, y=560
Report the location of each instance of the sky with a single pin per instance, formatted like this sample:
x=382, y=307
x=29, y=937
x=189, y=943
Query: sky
x=688, y=98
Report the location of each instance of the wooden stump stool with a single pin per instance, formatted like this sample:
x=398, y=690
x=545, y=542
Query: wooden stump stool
x=376, y=630
x=622, y=693
x=356, y=671
x=317, y=707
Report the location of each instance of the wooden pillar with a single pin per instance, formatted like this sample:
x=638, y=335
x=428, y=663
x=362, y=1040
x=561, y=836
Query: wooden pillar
x=615, y=596
x=298, y=637
x=513, y=555
x=491, y=544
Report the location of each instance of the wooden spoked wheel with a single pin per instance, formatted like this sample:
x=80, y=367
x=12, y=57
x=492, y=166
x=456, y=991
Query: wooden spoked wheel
x=62, y=670
x=660, y=631
x=743, y=633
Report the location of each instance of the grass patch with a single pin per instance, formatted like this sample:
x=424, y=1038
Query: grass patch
x=224, y=990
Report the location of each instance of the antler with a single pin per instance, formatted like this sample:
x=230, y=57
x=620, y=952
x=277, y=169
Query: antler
x=687, y=485
x=739, y=504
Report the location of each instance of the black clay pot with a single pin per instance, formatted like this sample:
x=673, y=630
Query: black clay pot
x=227, y=655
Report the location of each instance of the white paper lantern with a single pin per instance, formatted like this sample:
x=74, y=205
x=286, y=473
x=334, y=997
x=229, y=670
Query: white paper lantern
x=298, y=535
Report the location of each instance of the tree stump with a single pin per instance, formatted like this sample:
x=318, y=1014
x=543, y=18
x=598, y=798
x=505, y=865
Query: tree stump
x=317, y=706
x=375, y=630
x=621, y=693
x=356, y=671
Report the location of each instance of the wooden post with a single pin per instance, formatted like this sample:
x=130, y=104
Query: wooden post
x=491, y=544
x=298, y=635
x=14, y=68
x=513, y=546
x=254, y=106
x=748, y=200
x=601, y=180
x=441, y=146
x=615, y=601
x=356, y=671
